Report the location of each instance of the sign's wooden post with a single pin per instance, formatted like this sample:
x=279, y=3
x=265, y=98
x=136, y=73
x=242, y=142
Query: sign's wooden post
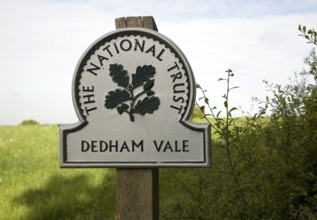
x=137, y=194
x=137, y=189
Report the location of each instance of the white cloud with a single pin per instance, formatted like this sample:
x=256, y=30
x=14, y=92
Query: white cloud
x=262, y=48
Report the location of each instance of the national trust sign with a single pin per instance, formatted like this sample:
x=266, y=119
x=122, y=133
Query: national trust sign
x=133, y=92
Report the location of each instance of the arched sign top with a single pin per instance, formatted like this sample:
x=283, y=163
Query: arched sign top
x=133, y=92
x=127, y=45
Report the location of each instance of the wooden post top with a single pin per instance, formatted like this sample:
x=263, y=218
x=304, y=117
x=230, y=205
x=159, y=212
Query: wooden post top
x=139, y=21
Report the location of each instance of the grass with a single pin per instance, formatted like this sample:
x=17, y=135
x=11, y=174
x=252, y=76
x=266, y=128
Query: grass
x=32, y=186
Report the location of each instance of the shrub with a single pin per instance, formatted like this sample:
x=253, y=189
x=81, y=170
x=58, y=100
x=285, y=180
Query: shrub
x=29, y=122
x=264, y=166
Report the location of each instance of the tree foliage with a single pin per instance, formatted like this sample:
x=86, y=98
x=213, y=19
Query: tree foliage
x=29, y=122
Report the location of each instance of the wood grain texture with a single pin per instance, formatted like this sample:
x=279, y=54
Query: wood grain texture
x=137, y=189
x=145, y=22
x=137, y=194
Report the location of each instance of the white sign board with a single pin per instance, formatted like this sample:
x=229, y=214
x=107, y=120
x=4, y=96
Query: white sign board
x=133, y=92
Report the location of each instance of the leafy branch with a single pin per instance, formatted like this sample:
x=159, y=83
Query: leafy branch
x=119, y=97
x=310, y=35
x=229, y=132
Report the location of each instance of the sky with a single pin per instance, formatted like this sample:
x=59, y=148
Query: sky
x=41, y=42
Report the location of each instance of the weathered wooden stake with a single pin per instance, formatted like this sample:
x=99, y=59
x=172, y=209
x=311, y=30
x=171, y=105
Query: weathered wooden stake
x=137, y=189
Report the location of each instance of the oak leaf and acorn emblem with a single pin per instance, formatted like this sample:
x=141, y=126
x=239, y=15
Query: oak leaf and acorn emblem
x=124, y=99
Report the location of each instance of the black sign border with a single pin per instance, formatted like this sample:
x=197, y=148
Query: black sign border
x=67, y=129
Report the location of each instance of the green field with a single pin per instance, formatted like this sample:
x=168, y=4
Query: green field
x=259, y=175
x=32, y=185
